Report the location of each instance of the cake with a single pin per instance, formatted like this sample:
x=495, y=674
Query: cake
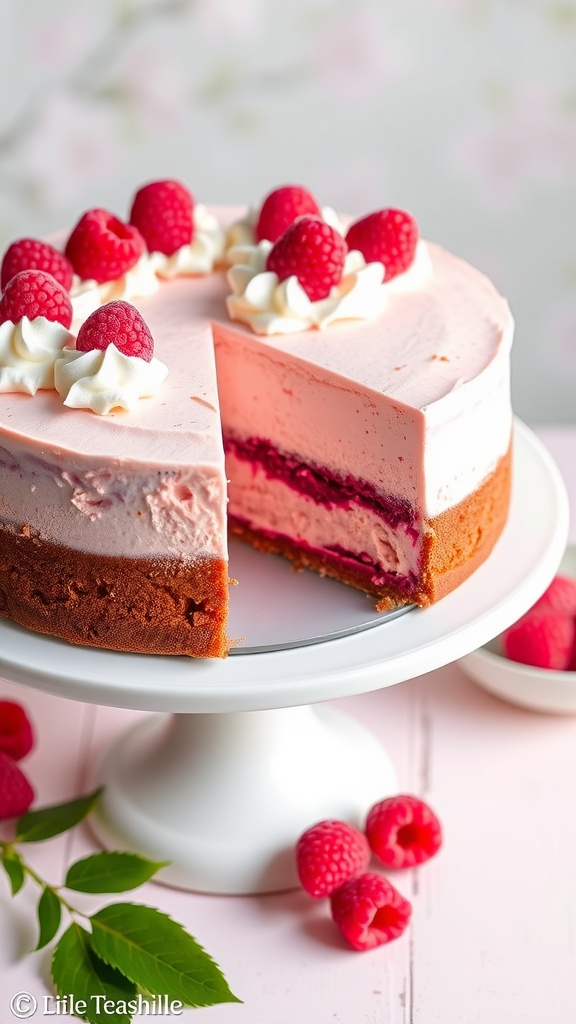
x=369, y=440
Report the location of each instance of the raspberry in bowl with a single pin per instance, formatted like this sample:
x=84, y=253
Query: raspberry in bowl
x=533, y=663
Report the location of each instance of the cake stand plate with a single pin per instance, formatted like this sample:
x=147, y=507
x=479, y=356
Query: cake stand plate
x=224, y=785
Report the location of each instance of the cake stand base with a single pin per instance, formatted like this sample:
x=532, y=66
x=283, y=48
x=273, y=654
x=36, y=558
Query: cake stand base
x=224, y=796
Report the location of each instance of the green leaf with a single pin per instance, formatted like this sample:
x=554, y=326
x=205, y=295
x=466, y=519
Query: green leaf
x=158, y=955
x=111, y=872
x=77, y=971
x=49, y=916
x=14, y=869
x=46, y=822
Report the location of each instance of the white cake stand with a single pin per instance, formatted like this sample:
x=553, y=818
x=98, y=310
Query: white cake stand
x=223, y=785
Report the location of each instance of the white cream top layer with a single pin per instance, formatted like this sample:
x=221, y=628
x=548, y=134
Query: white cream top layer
x=423, y=391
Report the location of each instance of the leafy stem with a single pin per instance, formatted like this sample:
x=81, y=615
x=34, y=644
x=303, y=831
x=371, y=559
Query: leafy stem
x=8, y=850
x=125, y=949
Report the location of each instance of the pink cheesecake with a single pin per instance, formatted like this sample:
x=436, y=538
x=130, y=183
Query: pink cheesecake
x=375, y=451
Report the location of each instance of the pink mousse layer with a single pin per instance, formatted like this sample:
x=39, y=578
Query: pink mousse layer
x=319, y=484
x=341, y=560
x=342, y=526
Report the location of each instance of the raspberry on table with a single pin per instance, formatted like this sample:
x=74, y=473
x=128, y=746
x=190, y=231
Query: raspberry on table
x=16, y=793
x=162, y=211
x=329, y=854
x=118, y=323
x=543, y=639
x=16, y=733
x=370, y=911
x=102, y=248
x=403, y=831
x=280, y=209
x=387, y=236
x=32, y=254
x=313, y=252
x=34, y=293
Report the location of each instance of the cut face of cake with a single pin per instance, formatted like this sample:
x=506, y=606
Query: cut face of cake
x=375, y=451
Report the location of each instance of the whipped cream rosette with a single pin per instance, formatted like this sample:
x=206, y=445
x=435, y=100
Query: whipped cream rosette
x=271, y=306
x=102, y=380
x=28, y=351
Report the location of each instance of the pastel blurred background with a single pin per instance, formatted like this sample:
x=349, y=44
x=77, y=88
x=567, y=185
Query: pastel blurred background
x=462, y=111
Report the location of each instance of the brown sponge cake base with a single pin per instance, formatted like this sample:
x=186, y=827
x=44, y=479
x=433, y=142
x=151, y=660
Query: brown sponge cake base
x=456, y=543
x=149, y=606
x=463, y=536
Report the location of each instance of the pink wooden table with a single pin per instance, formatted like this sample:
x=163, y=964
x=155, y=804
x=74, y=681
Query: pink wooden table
x=494, y=928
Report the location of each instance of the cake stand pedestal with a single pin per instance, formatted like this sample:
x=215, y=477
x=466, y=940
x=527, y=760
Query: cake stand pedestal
x=223, y=785
x=224, y=796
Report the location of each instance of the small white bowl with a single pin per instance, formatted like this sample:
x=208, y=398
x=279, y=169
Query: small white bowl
x=539, y=689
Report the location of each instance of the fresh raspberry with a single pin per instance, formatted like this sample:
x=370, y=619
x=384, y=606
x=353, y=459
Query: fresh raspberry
x=117, y=323
x=542, y=640
x=162, y=212
x=16, y=793
x=329, y=854
x=32, y=254
x=16, y=735
x=559, y=597
x=281, y=208
x=313, y=252
x=388, y=237
x=369, y=911
x=102, y=248
x=33, y=293
x=403, y=831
